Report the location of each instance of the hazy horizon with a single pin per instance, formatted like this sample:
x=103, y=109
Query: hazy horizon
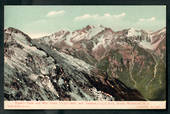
x=39, y=21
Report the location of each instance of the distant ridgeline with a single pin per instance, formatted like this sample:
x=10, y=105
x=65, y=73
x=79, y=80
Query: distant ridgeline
x=93, y=63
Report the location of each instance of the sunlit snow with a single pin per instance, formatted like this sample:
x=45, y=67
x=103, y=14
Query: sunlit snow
x=133, y=32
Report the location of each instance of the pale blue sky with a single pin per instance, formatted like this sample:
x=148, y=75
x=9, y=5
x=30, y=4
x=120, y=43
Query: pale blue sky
x=42, y=20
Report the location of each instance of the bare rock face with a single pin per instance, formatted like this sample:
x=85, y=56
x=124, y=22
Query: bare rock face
x=94, y=63
x=35, y=72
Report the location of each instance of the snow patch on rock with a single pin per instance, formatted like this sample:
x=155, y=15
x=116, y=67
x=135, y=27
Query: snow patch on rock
x=146, y=45
x=132, y=32
x=79, y=64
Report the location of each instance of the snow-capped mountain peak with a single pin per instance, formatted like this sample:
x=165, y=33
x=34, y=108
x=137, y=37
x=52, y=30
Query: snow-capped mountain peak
x=133, y=32
x=66, y=65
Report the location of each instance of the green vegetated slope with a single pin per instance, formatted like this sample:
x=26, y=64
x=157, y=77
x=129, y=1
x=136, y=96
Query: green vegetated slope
x=146, y=75
x=137, y=67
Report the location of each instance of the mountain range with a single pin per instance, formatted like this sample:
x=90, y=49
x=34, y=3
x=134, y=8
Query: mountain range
x=92, y=63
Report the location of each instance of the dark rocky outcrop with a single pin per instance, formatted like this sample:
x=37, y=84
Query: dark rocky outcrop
x=49, y=69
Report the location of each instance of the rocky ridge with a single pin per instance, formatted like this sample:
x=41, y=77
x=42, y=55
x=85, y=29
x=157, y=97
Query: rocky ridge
x=74, y=66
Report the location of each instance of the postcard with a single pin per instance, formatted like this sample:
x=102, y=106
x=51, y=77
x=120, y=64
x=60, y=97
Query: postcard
x=85, y=57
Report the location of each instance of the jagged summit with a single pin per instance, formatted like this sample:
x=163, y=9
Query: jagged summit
x=14, y=30
x=132, y=32
x=61, y=66
x=35, y=71
x=16, y=34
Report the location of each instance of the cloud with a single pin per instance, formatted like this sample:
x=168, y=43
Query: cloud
x=53, y=13
x=86, y=16
x=98, y=17
x=120, y=15
x=147, y=19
